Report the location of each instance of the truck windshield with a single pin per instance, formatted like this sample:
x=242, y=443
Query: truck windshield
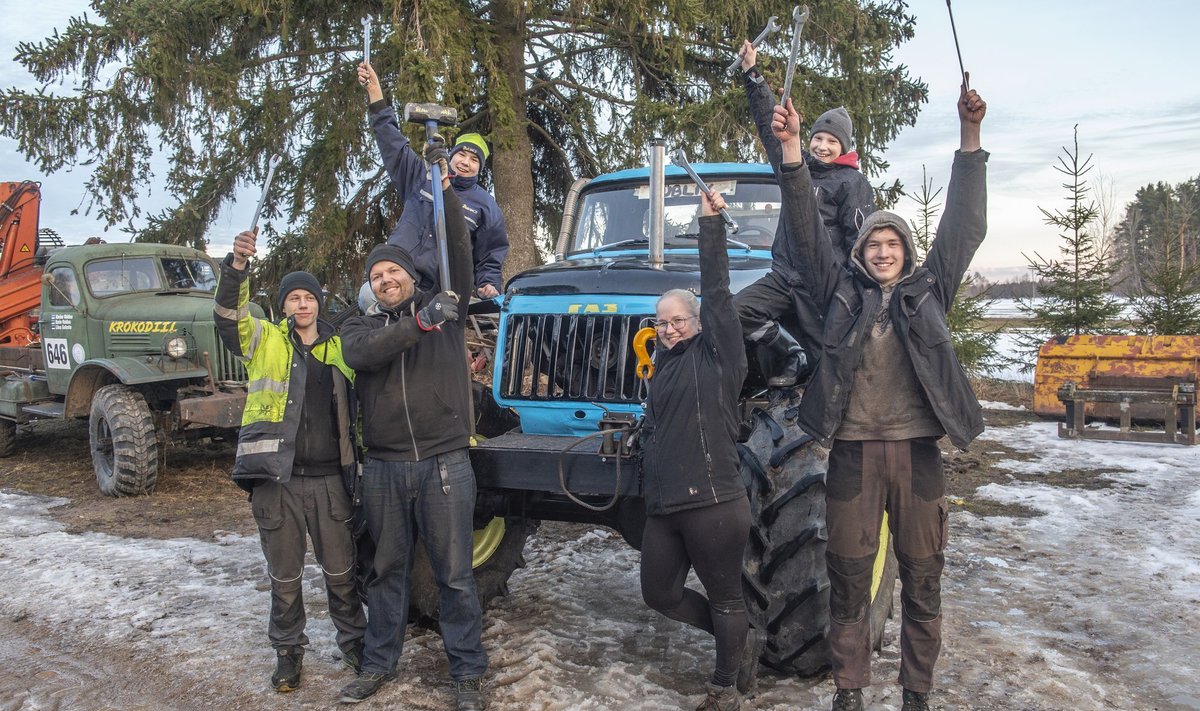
x=189, y=274
x=119, y=275
x=608, y=216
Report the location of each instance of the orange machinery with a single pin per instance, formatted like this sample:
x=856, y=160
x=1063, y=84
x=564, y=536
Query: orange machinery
x=20, y=277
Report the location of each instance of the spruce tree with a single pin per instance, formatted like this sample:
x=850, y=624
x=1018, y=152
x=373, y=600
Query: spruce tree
x=1075, y=289
x=564, y=89
x=1158, y=240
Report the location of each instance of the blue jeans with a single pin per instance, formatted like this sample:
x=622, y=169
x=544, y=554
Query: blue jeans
x=432, y=500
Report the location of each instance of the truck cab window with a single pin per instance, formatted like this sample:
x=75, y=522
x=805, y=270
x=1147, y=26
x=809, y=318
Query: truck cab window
x=64, y=290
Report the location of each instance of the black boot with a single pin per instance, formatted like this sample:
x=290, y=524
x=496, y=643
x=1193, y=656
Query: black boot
x=848, y=700
x=915, y=701
x=781, y=359
x=288, y=661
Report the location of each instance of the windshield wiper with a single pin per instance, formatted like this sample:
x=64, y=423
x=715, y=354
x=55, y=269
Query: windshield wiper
x=621, y=244
x=696, y=236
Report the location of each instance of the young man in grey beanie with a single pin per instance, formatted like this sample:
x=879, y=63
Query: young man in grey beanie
x=887, y=387
x=845, y=198
x=296, y=453
x=417, y=481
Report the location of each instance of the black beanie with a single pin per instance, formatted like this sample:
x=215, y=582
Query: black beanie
x=390, y=253
x=300, y=280
x=836, y=122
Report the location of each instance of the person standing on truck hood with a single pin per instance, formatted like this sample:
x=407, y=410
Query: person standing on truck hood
x=697, y=513
x=887, y=387
x=296, y=453
x=417, y=481
x=414, y=232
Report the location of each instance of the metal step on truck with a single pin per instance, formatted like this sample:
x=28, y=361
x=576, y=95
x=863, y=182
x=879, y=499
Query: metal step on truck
x=558, y=424
x=121, y=335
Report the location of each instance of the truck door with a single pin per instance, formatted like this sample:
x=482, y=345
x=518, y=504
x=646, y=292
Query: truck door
x=63, y=327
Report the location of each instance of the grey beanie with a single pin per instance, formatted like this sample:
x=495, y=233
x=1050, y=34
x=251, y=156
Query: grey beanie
x=390, y=253
x=300, y=280
x=836, y=122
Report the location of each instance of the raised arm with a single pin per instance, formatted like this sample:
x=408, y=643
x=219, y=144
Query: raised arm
x=718, y=316
x=964, y=222
x=817, y=265
x=239, y=331
x=762, y=104
x=403, y=165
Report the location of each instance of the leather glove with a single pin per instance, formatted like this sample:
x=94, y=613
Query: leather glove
x=437, y=153
x=444, y=307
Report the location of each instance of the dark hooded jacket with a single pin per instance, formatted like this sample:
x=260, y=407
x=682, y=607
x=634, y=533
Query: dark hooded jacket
x=850, y=298
x=413, y=384
x=689, y=434
x=415, y=229
x=843, y=193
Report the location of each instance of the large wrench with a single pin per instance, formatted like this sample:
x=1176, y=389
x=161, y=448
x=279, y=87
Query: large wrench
x=262, y=199
x=799, y=17
x=679, y=158
x=771, y=28
x=366, y=23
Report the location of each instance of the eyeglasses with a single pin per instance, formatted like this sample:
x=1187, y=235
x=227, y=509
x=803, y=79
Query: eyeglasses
x=677, y=323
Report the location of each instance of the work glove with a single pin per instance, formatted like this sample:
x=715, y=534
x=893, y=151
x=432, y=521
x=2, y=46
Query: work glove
x=444, y=307
x=436, y=152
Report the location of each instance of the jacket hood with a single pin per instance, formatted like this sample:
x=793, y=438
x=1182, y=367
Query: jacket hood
x=878, y=220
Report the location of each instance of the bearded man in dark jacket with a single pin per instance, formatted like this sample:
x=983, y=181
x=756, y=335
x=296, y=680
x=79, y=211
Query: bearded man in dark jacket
x=417, y=480
x=887, y=387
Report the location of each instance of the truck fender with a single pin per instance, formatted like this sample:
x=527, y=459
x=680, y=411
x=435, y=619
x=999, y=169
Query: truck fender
x=91, y=375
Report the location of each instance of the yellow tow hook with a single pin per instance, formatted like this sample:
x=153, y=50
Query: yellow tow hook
x=645, y=366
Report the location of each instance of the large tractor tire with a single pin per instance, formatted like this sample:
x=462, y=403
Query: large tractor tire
x=784, y=575
x=498, y=552
x=123, y=442
x=8, y=437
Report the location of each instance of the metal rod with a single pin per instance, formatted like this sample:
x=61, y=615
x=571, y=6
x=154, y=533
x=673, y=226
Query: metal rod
x=958, y=51
x=799, y=17
x=262, y=199
x=658, y=152
x=366, y=23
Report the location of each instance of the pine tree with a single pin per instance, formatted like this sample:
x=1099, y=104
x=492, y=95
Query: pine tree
x=1075, y=296
x=563, y=88
x=1159, y=237
x=974, y=344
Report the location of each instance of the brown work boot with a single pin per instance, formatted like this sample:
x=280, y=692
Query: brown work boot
x=847, y=700
x=915, y=701
x=720, y=698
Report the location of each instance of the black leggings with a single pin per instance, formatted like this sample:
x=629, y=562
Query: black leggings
x=713, y=541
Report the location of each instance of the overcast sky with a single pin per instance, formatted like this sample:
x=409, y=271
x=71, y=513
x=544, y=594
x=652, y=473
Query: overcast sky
x=1123, y=72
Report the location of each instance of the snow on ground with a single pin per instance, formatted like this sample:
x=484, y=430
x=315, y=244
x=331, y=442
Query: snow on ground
x=1093, y=605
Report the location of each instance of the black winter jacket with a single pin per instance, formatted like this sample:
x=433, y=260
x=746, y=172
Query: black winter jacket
x=843, y=193
x=414, y=230
x=689, y=434
x=412, y=384
x=850, y=298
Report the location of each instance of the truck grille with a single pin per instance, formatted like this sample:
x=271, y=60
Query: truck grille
x=580, y=357
x=227, y=366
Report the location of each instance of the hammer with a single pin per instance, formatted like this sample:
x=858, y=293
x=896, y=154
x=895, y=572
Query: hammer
x=431, y=116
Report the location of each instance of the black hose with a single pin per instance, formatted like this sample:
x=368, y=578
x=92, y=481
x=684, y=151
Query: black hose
x=562, y=479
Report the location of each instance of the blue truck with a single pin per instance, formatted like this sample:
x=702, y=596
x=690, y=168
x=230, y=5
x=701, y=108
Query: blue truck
x=558, y=426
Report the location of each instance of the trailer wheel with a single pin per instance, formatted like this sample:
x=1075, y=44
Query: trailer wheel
x=497, y=555
x=8, y=437
x=784, y=575
x=123, y=442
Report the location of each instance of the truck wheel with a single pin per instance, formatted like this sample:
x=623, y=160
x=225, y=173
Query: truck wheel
x=123, y=442
x=497, y=554
x=8, y=437
x=784, y=577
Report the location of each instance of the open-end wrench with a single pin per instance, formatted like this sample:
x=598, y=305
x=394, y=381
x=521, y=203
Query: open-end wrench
x=799, y=17
x=679, y=158
x=771, y=28
x=262, y=199
x=366, y=23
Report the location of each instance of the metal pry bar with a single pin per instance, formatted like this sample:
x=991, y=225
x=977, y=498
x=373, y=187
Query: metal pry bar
x=262, y=199
x=956, y=49
x=679, y=158
x=771, y=28
x=799, y=17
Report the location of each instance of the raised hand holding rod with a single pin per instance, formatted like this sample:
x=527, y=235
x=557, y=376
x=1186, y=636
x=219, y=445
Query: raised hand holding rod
x=799, y=17
x=679, y=158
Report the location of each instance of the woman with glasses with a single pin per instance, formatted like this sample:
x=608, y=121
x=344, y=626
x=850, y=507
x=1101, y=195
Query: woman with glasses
x=698, y=516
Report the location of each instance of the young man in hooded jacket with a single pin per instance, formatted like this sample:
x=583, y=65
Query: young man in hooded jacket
x=887, y=386
x=296, y=453
x=415, y=230
x=417, y=481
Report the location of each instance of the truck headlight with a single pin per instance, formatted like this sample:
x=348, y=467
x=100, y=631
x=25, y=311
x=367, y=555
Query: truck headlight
x=177, y=347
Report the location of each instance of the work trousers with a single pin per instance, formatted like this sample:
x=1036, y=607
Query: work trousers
x=432, y=500
x=904, y=478
x=285, y=512
x=774, y=297
x=712, y=540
